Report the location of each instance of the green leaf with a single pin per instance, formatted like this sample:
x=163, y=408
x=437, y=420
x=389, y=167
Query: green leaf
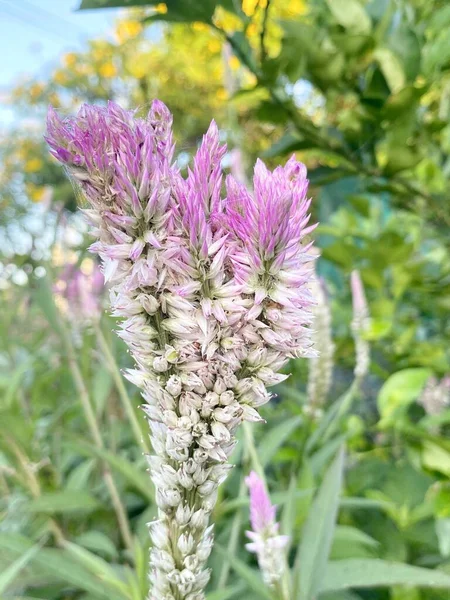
x=287, y=144
x=317, y=534
x=351, y=15
x=227, y=593
x=287, y=524
x=98, y=542
x=134, y=476
x=400, y=389
x=276, y=438
x=436, y=458
x=347, y=534
x=10, y=573
x=392, y=69
x=366, y=573
x=97, y=566
x=59, y=565
x=44, y=298
x=250, y=576
x=63, y=502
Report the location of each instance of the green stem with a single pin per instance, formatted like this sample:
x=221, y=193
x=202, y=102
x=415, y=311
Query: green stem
x=233, y=540
x=94, y=429
x=118, y=381
x=252, y=452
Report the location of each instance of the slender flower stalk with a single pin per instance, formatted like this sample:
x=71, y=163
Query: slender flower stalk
x=266, y=542
x=360, y=324
x=213, y=299
x=320, y=367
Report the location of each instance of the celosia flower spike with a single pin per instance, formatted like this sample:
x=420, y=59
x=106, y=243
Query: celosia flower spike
x=266, y=543
x=209, y=309
x=360, y=325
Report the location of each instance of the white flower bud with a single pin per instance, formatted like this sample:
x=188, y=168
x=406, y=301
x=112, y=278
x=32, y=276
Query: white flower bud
x=184, y=423
x=250, y=414
x=191, y=562
x=200, y=456
x=160, y=364
x=174, y=386
x=185, y=543
x=226, y=398
x=171, y=355
x=207, y=488
x=219, y=386
x=199, y=429
x=220, y=432
x=168, y=498
x=199, y=519
x=183, y=514
x=159, y=534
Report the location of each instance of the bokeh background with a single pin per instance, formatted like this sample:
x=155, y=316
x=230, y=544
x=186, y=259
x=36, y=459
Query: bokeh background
x=358, y=90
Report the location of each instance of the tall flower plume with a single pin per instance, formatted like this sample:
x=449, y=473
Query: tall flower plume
x=213, y=298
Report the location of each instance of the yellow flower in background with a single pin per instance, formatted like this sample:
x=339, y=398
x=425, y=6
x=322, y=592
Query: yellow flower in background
x=60, y=77
x=226, y=21
x=36, y=90
x=69, y=59
x=33, y=165
x=298, y=7
x=249, y=7
x=54, y=99
x=199, y=26
x=234, y=63
x=107, y=70
x=214, y=46
x=161, y=8
x=252, y=30
x=127, y=30
x=221, y=94
x=36, y=193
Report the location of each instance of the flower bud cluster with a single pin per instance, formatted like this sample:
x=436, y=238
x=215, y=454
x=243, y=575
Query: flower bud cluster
x=212, y=296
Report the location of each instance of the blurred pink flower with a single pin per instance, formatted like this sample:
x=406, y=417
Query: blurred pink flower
x=81, y=291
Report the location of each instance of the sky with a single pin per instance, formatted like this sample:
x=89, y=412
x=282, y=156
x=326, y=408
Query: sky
x=34, y=34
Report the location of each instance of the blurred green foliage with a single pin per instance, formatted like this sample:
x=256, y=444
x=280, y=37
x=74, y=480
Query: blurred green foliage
x=361, y=92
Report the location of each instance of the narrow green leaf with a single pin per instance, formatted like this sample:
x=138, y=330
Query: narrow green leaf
x=276, y=438
x=227, y=593
x=63, y=502
x=318, y=531
x=11, y=572
x=97, y=566
x=351, y=535
x=288, y=515
x=57, y=564
x=136, y=478
x=98, y=542
x=250, y=576
x=366, y=573
x=44, y=298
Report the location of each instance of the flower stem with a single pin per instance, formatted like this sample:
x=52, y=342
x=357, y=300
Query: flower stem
x=118, y=381
x=89, y=414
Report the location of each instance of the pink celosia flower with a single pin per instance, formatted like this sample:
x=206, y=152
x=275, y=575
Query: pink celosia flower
x=265, y=541
x=213, y=298
x=82, y=291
